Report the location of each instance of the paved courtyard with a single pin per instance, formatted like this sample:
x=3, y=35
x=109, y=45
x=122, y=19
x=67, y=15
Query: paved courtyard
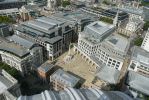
x=76, y=65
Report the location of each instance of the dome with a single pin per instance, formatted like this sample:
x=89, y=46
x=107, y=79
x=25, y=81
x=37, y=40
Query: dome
x=78, y=94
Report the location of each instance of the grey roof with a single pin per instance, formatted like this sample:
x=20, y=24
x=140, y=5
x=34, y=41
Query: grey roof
x=52, y=40
x=13, y=48
x=65, y=78
x=23, y=42
x=9, y=1
x=140, y=55
x=118, y=42
x=46, y=67
x=51, y=21
x=5, y=82
x=97, y=31
x=78, y=94
x=138, y=82
x=108, y=74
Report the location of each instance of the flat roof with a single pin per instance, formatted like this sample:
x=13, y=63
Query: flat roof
x=97, y=31
x=46, y=66
x=108, y=74
x=118, y=42
x=21, y=41
x=10, y=1
x=140, y=55
x=65, y=78
x=52, y=40
x=13, y=48
x=138, y=82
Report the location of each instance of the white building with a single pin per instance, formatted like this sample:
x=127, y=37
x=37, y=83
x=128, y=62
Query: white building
x=134, y=25
x=139, y=61
x=138, y=74
x=145, y=43
x=20, y=53
x=99, y=45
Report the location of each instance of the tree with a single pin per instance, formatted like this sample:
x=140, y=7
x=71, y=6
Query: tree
x=146, y=26
x=106, y=19
x=5, y=19
x=138, y=41
x=65, y=3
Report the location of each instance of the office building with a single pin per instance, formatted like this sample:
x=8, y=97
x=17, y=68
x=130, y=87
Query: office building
x=79, y=18
x=5, y=30
x=9, y=86
x=139, y=61
x=145, y=43
x=20, y=53
x=8, y=4
x=53, y=33
x=78, y=94
x=138, y=74
x=99, y=44
x=61, y=79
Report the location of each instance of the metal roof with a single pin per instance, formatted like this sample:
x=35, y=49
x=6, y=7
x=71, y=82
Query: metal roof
x=46, y=67
x=23, y=42
x=138, y=82
x=118, y=42
x=13, y=48
x=140, y=55
x=65, y=77
x=108, y=74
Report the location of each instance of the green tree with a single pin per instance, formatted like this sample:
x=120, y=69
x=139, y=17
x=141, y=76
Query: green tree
x=65, y=3
x=146, y=26
x=106, y=19
x=138, y=41
x=5, y=19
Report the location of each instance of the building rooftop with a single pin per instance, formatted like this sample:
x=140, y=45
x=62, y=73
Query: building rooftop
x=19, y=40
x=97, y=31
x=65, y=78
x=118, y=42
x=140, y=55
x=6, y=81
x=75, y=16
x=9, y=1
x=108, y=74
x=52, y=40
x=45, y=67
x=138, y=82
x=13, y=48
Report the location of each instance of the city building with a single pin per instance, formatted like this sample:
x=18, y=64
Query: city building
x=5, y=30
x=146, y=13
x=29, y=12
x=137, y=84
x=110, y=13
x=99, y=44
x=45, y=70
x=20, y=53
x=9, y=12
x=139, y=61
x=78, y=94
x=78, y=17
x=138, y=74
x=134, y=26
x=145, y=42
x=8, y=4
x=61, y=79
x=8, y=86
x=53, y=33
x=109, y=75
x=11, y=7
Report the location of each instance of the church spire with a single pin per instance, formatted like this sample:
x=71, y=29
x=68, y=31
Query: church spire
x=115, y=21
